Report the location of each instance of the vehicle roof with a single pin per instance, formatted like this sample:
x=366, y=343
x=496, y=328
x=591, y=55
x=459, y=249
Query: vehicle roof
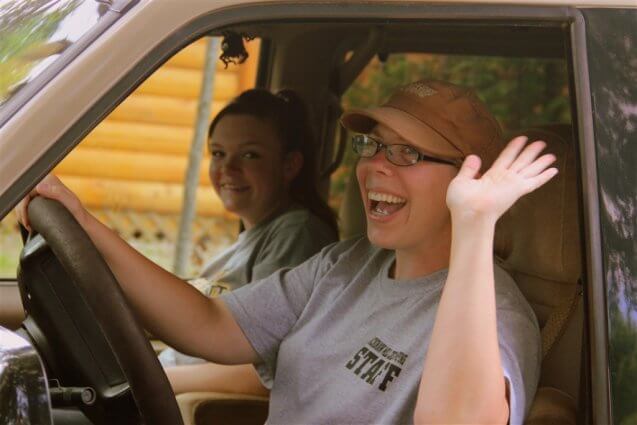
x=573, y=3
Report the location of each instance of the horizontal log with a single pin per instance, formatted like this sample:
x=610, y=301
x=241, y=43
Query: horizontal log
x=160, y=110
x=140, y=137
x=130, y=166
x=139, y=196
x=186, y=83
x=193, y=56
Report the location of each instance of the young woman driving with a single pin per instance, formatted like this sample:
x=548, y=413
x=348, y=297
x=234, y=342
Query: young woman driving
x=261, y=168
x=414, y=323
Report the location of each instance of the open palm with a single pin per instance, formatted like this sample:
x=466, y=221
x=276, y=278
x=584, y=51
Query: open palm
x=517, y=171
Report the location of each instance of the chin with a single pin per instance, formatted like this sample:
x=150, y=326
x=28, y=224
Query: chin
x=382, y=238
x=233, y=208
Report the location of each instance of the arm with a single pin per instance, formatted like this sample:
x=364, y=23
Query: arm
x=153, y=292
x=212, y=377
x=463, y=380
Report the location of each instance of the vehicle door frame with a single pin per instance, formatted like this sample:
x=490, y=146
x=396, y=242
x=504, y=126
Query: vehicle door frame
x=61, y=144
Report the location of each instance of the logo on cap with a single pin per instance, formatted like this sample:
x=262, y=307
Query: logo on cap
x=419, y=89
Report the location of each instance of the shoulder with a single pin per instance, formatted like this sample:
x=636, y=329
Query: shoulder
x=297, y=219
x=506, y=289
x=351, y=252
x=301, y=228
x=510, y=301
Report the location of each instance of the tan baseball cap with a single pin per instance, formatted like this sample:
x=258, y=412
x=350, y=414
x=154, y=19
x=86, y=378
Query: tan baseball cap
x=448, y=120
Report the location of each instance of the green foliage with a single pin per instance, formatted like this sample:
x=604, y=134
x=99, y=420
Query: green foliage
x=623, y=361
x=26, y=31
x=521, y=93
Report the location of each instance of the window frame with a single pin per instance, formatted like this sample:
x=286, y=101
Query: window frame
x=241, y=14
x=115, y=12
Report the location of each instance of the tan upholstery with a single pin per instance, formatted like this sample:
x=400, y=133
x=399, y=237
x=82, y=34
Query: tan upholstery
x=545, y=255
x=552, y=406
x=207, y=408
x=545, y=261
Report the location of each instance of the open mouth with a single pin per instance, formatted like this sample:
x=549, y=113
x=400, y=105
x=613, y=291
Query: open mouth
x=234, y=187
x=383, y=205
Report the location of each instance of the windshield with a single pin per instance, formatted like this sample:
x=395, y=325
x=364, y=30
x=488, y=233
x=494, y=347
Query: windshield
x=38, y=35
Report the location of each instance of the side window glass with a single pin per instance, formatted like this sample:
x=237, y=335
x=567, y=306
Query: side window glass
x=37, y=33
x=521, y=92
x=130, y=170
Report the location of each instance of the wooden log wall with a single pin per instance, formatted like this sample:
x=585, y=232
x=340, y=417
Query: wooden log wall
x=136, y=158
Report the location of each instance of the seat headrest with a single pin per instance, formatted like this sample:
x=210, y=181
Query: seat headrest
x=543, y=227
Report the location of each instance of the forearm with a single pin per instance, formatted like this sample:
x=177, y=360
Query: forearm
x=155, y=293
x=212, y=377
x=462, y=378
x=170, y=309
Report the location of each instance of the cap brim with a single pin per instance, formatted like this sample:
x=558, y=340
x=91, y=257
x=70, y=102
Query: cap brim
x=405, y=125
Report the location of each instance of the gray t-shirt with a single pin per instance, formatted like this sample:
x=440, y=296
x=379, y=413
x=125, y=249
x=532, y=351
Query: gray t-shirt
x=342, y=342
x=284, y=241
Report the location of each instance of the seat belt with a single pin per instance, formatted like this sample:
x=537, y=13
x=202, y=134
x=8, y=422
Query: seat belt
x=556, y=323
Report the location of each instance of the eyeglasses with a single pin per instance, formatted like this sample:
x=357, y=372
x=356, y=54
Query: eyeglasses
x=403, y=155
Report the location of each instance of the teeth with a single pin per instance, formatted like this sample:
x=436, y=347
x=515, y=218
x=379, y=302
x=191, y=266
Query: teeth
x=384, y=197
x=231, y=186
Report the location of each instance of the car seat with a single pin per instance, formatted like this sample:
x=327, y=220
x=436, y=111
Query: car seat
x=539, y=242
x=222, y=408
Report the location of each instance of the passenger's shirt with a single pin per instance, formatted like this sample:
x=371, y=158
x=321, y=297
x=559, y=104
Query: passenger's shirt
x=284, y=241
x=342, y=342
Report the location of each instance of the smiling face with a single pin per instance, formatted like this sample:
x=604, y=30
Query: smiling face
x=405, y=206
x=248, y=167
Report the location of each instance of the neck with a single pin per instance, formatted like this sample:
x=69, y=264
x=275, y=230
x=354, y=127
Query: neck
x=278, y=208
x=424, y=259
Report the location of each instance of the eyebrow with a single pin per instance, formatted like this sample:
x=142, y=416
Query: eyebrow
x=241, y=144
x=400, y=141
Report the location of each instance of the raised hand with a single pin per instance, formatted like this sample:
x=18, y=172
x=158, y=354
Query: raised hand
x=51, y=187
x=517, y=171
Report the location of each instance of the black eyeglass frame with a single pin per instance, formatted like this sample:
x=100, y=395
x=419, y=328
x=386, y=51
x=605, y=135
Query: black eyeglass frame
x=380, y=146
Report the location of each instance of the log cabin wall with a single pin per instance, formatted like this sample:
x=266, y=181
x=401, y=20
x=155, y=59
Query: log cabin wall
x=129, y=171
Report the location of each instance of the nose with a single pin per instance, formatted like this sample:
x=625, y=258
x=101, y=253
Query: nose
x=231, y=163
x=379, y=163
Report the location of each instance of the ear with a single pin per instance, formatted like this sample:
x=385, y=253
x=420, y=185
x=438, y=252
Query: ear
x=292, y=164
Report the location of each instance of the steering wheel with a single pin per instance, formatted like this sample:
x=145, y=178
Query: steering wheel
x=78, y=314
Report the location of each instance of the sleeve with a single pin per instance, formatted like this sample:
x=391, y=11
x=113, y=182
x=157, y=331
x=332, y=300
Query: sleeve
x=520, y=348
x=291, y=245
x=268, y=309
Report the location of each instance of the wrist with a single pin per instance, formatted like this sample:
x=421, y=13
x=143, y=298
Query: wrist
x=471, y=219
x=82, y=216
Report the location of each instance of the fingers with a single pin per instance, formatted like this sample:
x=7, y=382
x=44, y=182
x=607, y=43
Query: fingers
x=537, y=166
x=470, y=167
x=510, y=153
x=527, y=156
x=21, y=212
x=541, y=179
x=49, y=187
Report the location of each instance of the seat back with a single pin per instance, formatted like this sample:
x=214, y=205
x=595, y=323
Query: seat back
x=544, y=259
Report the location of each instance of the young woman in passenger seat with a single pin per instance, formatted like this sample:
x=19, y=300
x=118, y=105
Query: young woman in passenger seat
x=415, y=322
x=262, y=169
